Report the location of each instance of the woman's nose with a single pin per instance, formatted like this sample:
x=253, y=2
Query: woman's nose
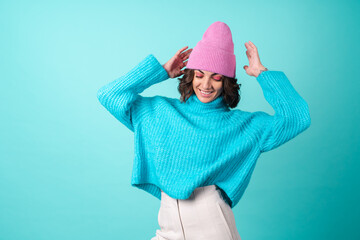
x=206, y=83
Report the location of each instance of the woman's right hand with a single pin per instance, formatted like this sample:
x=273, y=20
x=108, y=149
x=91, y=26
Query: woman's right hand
x=176, y=63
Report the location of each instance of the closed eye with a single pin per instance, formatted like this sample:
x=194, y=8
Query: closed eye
x=218, y=80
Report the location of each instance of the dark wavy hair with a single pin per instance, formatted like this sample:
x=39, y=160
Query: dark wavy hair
x=230, y=88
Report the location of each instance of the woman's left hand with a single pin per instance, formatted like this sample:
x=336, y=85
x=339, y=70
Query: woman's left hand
x=254, y=60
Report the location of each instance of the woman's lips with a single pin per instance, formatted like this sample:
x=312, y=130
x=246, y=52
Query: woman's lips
x=205, y=95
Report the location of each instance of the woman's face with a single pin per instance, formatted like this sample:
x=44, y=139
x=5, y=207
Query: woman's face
x=207, y=85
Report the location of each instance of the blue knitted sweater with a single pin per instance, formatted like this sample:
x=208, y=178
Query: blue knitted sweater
x=180, y=146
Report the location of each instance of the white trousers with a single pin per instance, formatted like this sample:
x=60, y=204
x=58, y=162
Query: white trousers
x=204, y=215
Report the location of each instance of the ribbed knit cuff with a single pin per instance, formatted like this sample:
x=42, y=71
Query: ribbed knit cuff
x=276, y=86
x=157, y=73
x=283, y=97
x=148, y=72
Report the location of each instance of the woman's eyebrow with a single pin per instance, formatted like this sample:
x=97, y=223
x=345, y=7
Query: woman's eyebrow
x=211, y=74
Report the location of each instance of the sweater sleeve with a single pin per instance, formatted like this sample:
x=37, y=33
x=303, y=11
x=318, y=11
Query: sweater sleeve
x=122, y=98
x=291, y=116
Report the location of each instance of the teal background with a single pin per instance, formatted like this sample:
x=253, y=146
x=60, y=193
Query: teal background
x=65, y=162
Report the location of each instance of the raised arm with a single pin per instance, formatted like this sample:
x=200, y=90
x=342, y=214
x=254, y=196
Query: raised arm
x=292, y=114
x=122, y=98
x=119, y=96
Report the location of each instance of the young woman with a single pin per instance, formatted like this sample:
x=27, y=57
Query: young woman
x=197, y=155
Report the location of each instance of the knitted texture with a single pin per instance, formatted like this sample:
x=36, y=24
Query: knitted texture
x=182, y=146
x=215, y=51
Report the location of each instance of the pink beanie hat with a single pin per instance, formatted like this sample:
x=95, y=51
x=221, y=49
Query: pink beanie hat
x=215, y=51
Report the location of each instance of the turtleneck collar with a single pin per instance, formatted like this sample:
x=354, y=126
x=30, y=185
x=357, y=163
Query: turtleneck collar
x=216, y=106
